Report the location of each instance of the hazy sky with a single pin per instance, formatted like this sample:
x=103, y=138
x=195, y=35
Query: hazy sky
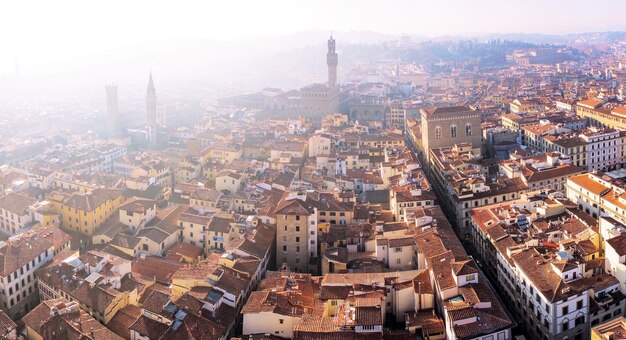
x=38, y=32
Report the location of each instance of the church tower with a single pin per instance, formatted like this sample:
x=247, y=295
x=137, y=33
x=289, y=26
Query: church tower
x=331, y=60
x=151, y=103
x=112, y=109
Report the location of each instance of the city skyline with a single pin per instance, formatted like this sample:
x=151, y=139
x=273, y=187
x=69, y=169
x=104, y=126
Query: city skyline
x=331, y=170
x=50, y=33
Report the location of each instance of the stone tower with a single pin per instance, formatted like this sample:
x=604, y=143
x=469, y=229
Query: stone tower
x=151, y=103
x=331, y=60
x=112, y=109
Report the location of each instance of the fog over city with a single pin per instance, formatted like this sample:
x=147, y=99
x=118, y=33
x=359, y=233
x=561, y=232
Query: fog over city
x=244, y=45
x=345, y=169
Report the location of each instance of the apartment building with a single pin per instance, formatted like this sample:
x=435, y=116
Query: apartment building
x=598, y=195
x=464, y=298
x=601, y=114
x=395, y=115
x=211, y=232
x=58, y=318
x=544, y=254
x=223, y=152
x=85, y=212
x=548, y=171
x=296, y=232
x=22, y=255
x=98, y=282
x=16, y=213
x=462, y=181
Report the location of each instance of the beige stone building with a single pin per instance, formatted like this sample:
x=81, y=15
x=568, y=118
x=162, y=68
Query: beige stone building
x=395, y=115
x=294, y=221
x=298, y=215
x=447, y=126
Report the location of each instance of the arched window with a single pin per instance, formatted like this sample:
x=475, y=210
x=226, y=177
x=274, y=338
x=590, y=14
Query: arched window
x=565, y=325
x=468, y=129
x=453, y=131
x=438, y=132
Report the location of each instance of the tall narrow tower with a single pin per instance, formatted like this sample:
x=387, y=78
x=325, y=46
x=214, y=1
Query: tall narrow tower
x=112, y=109
x=151, y=103
x=331, y=60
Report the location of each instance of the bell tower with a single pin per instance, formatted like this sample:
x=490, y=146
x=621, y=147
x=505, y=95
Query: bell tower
x=331, y=60
x=151, y=109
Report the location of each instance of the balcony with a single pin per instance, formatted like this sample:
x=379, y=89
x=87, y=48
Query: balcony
x=604, y=300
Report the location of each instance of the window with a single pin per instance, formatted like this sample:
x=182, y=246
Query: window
x=438, y=132
x=565, y=325
x=281, y=321
x=579, y=304
x=145, y=247
x=468, y=129
x=453, y=131
x=579, y=320
x=565, y=310
x=297, y=228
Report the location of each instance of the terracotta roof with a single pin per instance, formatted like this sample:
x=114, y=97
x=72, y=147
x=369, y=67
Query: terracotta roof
x=16, y=203
x=6, y=324
x=21, y=250
x=466, y=267
x=618, y=243
x=73, y=324
x=123, y=319
x=335, y=292
x=368, y=316
x=162, y=270
x=138, y=205
x=426, y=320
x=447, y=110
x=93, y=199
x=178, y=250
x=539, y=270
